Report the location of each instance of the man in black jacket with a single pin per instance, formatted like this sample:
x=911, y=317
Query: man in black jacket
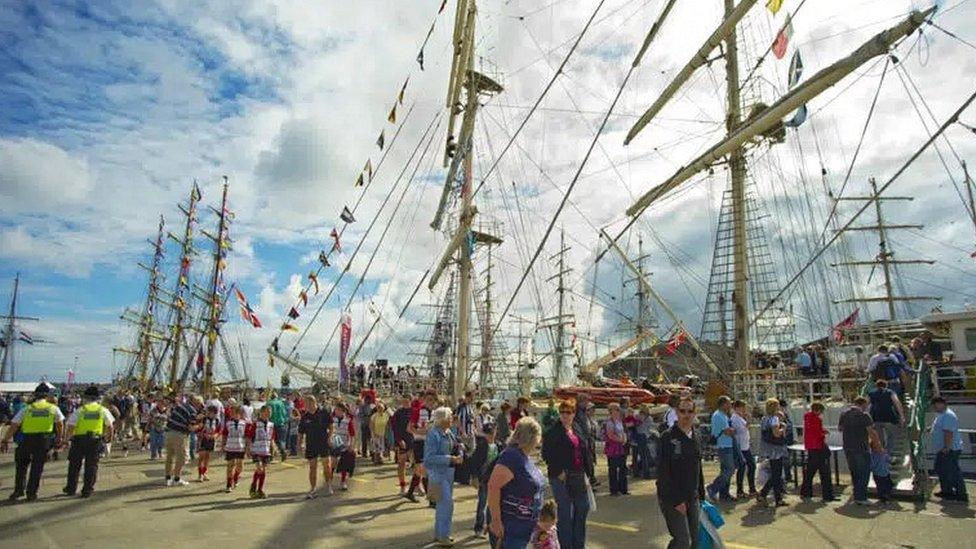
x=680, y=484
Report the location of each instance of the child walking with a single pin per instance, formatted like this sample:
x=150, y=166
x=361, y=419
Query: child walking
x=210, y=427
x=261, y=445
x=234, y=445
x=881, y=469
x=544, y=536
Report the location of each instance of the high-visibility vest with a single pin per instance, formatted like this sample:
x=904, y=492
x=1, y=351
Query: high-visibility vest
x=38, y=418
x=91, y=420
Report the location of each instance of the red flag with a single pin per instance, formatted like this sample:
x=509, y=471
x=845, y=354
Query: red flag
x=345, y=335
x=783, y=39
x=672, y=346
x=200, y=359
x=838, y=332
x=335, y=237
x=303, y=295
x=315, y=281
x=241, y=300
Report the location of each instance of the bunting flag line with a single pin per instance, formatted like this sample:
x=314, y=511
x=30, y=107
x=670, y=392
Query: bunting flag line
x=403, y=90
x=796, y=68
x=346, y=215
x=782, y=39
x=838, y=331
x=303, y=295
x=335, y=237
x=359, y=180
x=381, y=140
x=293, y=313
x=324, y=259
x=241, y=300
x=369, y=170
x=247, y=313
x=314, y=279
x=286, y=327
x=391, y=118
x=774, y=5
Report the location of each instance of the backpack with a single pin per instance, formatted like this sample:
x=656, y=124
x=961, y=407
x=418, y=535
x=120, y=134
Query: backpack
x=888, y=368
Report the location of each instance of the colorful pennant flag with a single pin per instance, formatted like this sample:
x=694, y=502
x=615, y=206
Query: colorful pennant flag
x=799, y=117
x=443, y=5
x=381, y=140
x=391, y=118
x=195, y=193
x=314, y=279
x=672, y=345
x=782, y=39
x=359, y=180
x=774, y=5
x=796, y=69
x=838, y=332
x=346, y=215
x=293, y=313
x=247, y=313
x=403, y=90
x=324, y=259
x=369, y=170
x=286, y=327
x=274, y=344
x=303, y=295
x=335, y=237
x=420, y=59
x=26, y=338
x=200, y=360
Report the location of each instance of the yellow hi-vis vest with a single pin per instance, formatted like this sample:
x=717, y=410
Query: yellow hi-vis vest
x=90, y=420
x=38, y=418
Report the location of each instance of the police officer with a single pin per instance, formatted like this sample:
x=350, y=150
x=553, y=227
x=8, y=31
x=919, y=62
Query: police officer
x=86, y=426
x=37, y=422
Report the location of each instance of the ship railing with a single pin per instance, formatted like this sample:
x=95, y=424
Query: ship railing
x=955, y=381
x=762, y=384
x=916, y=427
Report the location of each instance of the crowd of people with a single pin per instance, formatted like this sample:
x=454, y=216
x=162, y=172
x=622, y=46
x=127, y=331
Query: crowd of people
x=438, y=445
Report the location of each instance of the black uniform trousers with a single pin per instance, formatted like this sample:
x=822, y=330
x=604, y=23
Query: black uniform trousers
x=83, y=447
x=30, y=454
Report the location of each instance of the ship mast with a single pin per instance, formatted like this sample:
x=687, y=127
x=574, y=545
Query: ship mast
x=215, y=302
x=147, y=324
x=737, y=165
x=180, y=301
x=10, y=337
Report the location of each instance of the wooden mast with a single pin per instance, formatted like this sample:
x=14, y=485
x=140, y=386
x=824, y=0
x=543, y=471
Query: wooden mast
x=737, y=165
x=214, y=302
x=181, y=295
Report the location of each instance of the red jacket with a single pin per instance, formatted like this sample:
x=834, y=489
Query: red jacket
x=814, y=434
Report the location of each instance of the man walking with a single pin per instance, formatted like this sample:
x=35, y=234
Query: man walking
x=182, y=421
x=855, y=423
x=679, y=481
x=947, y=445
x=86, y=427
x=38, y=421
x=886, y=411
x=722, y=432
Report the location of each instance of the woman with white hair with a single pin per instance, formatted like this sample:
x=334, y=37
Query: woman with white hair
x=515, y=488
x=441, y=454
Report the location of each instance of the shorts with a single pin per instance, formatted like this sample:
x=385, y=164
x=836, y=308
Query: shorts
x=229, y=455
x=316, y=451
x=263, y=460
x=418, y=451
x=205, y=445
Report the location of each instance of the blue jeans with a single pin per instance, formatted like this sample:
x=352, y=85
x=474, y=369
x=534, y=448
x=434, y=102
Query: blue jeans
x=950, y=476
x=156, y=442
x=644, y=456
x=859, y=464
x=444, y=514
x=721, y=484
x=193, y=446
x=482, y=509
x=746, y=469
x=571, y=516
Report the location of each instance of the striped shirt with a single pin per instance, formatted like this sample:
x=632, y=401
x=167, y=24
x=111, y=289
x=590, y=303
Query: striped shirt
x=181, y=417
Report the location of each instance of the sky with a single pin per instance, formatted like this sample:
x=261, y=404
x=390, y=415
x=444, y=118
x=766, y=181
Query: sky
x=110, y=110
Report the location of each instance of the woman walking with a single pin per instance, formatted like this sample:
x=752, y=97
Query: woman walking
x=774, y=449
x=515, y=488
x=747, y=466
x=441, y=455
x=615, y=448
x=567, y=456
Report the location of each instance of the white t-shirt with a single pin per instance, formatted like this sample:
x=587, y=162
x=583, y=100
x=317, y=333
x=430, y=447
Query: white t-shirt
x=107, y=418
x=19, y=418
x=741, y=431
x=247, y=411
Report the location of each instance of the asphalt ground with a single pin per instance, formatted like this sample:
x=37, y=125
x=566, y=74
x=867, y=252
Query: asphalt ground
x=132, y=507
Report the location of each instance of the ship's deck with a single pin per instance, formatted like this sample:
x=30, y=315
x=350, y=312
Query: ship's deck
x=132, y=508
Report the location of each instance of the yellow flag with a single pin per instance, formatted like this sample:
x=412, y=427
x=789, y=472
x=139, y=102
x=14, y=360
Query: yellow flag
x=774, y=5
x=392, y=116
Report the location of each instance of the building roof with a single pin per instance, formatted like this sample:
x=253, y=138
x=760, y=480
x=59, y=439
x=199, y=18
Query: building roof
x=13, y=387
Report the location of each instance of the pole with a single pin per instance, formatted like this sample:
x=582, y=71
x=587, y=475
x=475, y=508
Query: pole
x=558, y=377
x=969, y=192
x=464, y=289
x=182, y=284
x=486, y=330
x=215, y=308
x=737, y=164
x=7, y=366
x=883, y=250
